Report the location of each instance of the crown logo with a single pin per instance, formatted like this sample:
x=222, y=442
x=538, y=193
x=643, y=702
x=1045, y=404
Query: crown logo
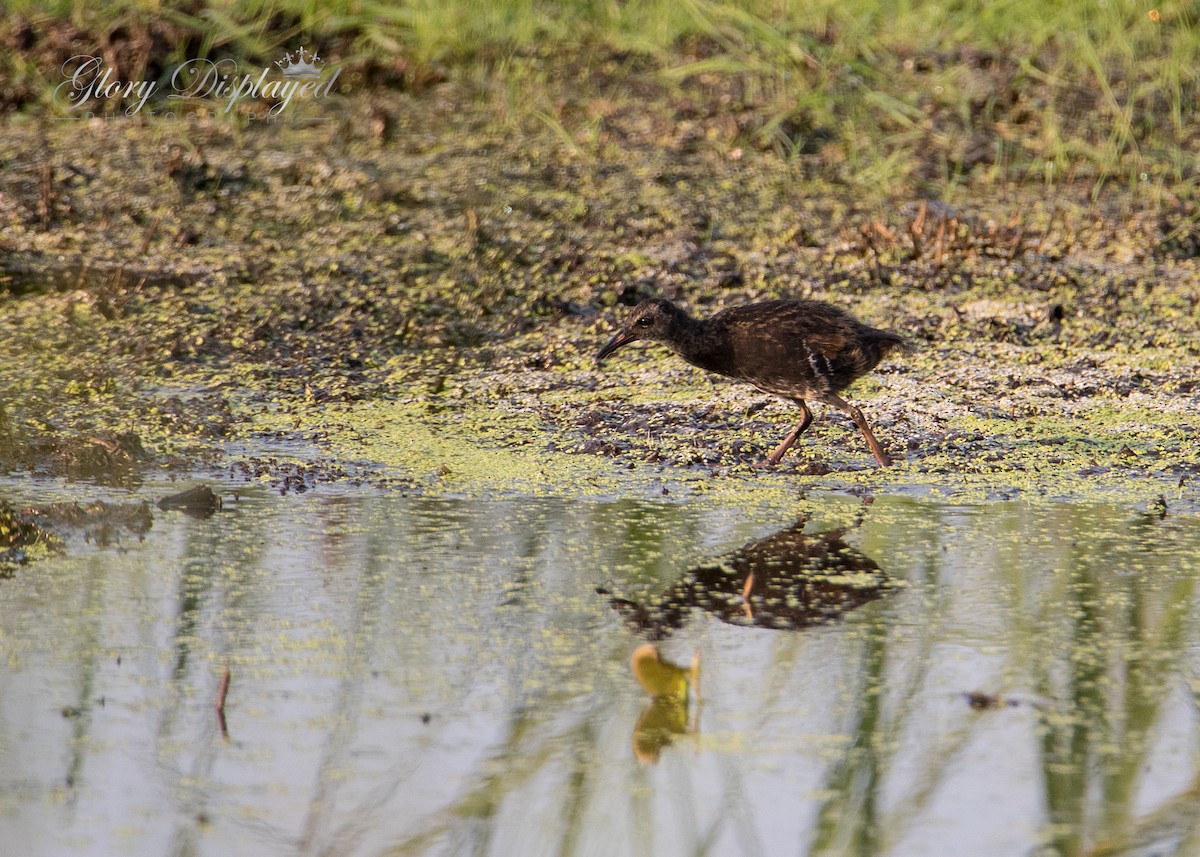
x=302, y=66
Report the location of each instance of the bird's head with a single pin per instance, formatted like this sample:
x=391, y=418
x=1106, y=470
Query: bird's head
x=653, y=319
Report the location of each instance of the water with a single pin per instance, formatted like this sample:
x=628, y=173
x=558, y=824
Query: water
x=424, y=676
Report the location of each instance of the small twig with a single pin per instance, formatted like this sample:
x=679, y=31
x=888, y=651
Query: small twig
x=472, y=229
x=151, y=231
x=222, y=691
x=117, y=278
x=882, y=230
x=46, y=196
x=916, y=230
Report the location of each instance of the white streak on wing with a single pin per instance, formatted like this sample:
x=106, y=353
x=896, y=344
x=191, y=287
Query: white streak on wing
x=820, y=367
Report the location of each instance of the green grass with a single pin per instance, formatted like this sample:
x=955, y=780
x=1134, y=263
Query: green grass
x=888, y=95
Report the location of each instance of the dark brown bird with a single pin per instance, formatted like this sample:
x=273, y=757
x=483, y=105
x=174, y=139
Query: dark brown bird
x=795, y=349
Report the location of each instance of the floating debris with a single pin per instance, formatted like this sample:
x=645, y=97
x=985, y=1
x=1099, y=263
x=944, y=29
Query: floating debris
x=198, y=502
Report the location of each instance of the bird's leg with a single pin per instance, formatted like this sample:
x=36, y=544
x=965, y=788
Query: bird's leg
x=861, y=422
x=774, y=457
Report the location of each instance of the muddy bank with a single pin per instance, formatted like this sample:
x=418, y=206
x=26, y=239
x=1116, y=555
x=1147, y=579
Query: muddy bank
x=423, y=310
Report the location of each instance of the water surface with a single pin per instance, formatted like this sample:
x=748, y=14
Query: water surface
x=425, y=676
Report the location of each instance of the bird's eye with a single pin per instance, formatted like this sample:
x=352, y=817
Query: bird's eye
x=645, y=321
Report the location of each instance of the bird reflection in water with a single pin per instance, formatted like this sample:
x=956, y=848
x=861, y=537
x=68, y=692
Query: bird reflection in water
x=787, y=581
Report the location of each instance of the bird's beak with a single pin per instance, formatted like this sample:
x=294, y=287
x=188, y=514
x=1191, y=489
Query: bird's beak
x=622, y=337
